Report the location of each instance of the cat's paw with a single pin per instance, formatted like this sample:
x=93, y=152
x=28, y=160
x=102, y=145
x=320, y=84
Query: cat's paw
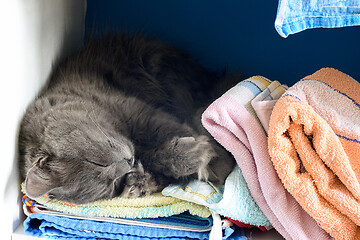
x=139, y=183
x=194, y=155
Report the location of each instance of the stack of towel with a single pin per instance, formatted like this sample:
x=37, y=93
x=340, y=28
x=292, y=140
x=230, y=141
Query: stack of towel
x=152, y=217
x=298, y=150
x=239, y=121
x=155, y=216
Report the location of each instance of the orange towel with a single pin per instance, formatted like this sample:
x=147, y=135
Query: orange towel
x=314, y=143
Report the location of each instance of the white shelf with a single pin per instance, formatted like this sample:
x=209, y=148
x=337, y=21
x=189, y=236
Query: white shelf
x=20, y=235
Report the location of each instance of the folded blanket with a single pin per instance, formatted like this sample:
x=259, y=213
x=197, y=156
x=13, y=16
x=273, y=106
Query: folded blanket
x=314, y=143
x=183, y=221
x=233, y=122
x=235, y=202
x=297, y=15
x=153, y=206
x=60, y=227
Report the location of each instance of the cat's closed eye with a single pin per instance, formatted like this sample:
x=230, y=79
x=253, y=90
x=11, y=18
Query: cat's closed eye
x=99, y=164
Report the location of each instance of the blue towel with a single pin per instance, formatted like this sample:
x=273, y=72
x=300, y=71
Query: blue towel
x=57, y=227
x=294, y=16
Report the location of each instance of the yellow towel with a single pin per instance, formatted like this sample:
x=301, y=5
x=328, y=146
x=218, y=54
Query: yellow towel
x=153, y=206
x=314, y=143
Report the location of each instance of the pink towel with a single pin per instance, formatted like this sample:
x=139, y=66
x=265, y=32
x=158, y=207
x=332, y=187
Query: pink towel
x=232, y=121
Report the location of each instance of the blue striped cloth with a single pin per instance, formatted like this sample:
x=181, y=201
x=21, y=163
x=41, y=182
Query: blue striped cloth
x=294, y=16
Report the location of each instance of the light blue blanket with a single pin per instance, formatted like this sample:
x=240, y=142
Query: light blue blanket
x=59, y=227
x=294, y=16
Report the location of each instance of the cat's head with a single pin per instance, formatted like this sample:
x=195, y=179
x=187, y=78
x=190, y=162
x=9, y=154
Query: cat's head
x=72, y=154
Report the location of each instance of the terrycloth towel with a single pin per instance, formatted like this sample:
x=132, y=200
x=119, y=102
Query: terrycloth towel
x=58, y=227
x=153, y=206
x=233, y=122
x=314, y=143
x=236, y=201
x=294, y=16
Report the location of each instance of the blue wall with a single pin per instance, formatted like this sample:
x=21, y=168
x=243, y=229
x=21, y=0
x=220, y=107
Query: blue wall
x=236, y=34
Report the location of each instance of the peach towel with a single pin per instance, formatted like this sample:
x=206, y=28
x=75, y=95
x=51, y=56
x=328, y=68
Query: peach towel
x=314, y=143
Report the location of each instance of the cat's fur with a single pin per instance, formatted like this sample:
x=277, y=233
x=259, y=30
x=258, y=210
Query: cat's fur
x=121, y=117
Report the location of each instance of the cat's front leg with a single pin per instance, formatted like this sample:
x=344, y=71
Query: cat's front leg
x=182, y=157
x=191, y=155
x=169, y=147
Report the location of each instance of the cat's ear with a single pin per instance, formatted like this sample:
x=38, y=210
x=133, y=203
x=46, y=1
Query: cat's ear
x=38, y=183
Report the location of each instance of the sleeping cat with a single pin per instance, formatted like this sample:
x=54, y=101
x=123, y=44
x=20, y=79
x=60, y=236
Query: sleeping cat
x=120, y=118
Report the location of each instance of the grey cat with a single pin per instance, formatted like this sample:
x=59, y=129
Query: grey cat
x=120, y=118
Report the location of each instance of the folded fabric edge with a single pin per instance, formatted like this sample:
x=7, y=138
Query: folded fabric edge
x=286, y=27
x=175, y=206
x=280, y=19
x=137, y=222
x=50, y=226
